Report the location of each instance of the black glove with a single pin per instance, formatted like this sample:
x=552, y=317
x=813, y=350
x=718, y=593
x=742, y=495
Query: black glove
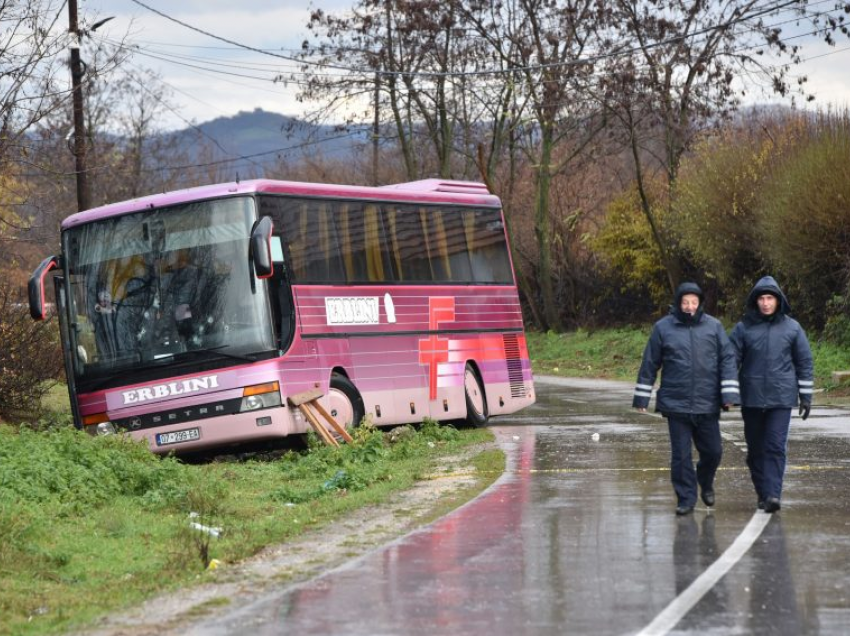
x=805, y=407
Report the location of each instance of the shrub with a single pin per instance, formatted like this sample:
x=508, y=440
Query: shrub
x=804, y=218
x=837, y=328
x=30, y=354
x=625, y=242
x=68, y=467
x=716, y=203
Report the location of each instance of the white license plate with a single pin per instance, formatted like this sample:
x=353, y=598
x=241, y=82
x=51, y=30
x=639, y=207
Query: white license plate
x=175, y=437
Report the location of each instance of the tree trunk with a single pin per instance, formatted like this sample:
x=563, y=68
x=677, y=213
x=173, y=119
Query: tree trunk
x=671, y=267
x=542, y=229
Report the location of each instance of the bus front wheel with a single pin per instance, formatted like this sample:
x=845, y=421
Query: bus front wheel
x=476, y=402
x=346, y=404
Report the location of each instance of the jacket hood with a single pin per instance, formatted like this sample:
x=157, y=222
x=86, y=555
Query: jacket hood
x=767, y=285
x=676, y=309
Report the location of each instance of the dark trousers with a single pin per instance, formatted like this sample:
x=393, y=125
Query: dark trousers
x=766, y=431
x=704, y=432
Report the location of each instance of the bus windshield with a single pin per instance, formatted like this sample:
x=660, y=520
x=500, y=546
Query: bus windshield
x=151, y=288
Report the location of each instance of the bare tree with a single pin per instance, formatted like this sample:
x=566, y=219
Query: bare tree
x=399, y=59
x=31, y=55
x=543, y=43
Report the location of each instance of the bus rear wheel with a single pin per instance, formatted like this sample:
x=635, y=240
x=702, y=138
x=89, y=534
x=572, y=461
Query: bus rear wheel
x=476, y=402
x=346, y=404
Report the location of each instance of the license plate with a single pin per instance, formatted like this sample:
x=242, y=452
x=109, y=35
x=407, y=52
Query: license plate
x=175, y=437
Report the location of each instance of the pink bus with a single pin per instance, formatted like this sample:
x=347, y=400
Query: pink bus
x=188, y=318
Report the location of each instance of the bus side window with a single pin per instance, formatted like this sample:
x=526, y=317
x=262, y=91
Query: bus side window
x=379, y=260
x=409, y=248
x=314, y=237
x=488, y=250
x=308, y=237
x=351, y=230
x=457, y=246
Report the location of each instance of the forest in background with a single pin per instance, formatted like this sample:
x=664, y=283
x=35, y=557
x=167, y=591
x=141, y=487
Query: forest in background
x=620, y=136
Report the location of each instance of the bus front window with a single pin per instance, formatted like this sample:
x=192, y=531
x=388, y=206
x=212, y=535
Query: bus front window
x=150, y=286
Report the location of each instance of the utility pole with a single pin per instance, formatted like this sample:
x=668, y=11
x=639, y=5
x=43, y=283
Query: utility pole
x=83, y=197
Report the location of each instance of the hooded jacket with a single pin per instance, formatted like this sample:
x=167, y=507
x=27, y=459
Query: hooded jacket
x=773, y=353
x=696, y=360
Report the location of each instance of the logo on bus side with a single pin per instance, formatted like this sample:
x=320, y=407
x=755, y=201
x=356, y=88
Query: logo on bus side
x=352, y=311
x=193, y=385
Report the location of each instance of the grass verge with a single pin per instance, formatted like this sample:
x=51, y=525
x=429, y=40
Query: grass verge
x=606, y=353
x=616, y=354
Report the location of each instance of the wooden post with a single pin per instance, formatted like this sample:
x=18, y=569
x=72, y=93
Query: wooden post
x=327, y=438
x=311, y=398
x=336, y=425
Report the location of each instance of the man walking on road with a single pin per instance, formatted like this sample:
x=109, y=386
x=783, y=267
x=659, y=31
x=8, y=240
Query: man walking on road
x=698, y=375
x=776, y=365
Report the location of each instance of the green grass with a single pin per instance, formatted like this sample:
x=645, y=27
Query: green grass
x=91, y=525
x=828, y=358
x=616, y=354
x=606, y=353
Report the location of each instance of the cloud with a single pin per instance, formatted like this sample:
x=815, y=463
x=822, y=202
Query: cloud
x=231, y=79
x=210, y=77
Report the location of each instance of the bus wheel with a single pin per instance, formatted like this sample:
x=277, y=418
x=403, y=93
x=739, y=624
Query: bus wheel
x=346, y=405
x=476, y=403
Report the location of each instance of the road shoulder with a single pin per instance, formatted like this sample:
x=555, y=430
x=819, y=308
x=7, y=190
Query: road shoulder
x=453, y=483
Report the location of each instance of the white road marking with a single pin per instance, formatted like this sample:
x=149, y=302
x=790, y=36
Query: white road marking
x=682, y=604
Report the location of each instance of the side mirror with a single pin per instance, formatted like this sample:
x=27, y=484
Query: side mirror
x=261, y=248
x=35, y=288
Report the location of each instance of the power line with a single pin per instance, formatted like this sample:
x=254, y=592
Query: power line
x=169, y=58
x=228, y=41
x=207, y=164
x=159, y=99
x=768, y=10
x=340, y=50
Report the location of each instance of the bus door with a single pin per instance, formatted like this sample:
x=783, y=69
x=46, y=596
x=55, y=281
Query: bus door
x=283, y=305
x=68, y=346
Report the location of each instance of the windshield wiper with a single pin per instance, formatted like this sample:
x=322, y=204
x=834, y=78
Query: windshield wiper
x=176, y=358
x=214, y=352
x=109, y=374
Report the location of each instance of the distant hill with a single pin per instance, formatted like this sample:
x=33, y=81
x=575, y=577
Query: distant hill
x=263, y=135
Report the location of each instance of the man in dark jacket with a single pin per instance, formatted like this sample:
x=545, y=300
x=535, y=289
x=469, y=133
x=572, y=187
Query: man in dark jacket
x=698, y=375
x=776, y=365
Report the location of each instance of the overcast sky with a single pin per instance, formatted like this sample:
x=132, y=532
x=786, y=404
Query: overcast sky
x=210, y=78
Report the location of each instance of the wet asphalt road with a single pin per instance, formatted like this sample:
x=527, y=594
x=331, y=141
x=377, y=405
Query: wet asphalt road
x=580, y=537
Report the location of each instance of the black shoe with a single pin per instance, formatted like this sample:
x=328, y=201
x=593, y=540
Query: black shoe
x=708, y=497
x=771, y=504
x=761, y=504
x=681, y=511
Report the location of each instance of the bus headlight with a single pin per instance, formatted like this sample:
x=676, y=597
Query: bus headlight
x=98, y=424
x=105, y=428
x=260, y=396
x=252, y=402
